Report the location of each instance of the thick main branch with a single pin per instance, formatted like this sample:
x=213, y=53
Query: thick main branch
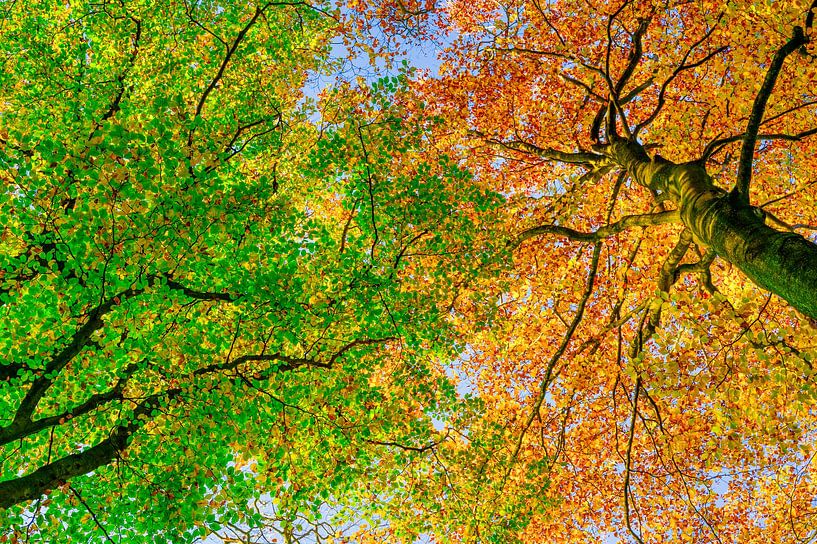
x=784, y=263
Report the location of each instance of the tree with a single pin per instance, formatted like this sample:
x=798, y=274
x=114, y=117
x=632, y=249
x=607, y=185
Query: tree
x=204, y=271
x=652, y=359
x=589, y=224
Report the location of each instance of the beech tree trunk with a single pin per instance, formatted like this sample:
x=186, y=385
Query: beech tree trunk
x=784, y=263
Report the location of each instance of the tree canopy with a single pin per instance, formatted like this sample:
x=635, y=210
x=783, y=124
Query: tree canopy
x=563, y=290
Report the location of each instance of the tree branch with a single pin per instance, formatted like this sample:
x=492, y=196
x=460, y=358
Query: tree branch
x=716, y=145
x=14, y=432
x=582, y=157
x=199, y=295
x=114, y=107
x=666, y=278
x=91, y=513
x=78, y=341
x=628, y=464
x=622, y=224
x=740, y=194
x=574, y=324
x=681, y=67
x=418, y=449
x=54, y=474
x=229, y=55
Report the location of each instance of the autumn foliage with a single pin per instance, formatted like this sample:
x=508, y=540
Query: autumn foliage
x=631, y=365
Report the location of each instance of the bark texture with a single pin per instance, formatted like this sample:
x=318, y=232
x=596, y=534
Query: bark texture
x=32, y=486
x=784, y=263
x=56, y=473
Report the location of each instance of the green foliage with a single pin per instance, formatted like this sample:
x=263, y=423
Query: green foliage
x=204, y=281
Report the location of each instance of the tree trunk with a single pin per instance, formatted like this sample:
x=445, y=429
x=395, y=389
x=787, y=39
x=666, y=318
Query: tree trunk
x=784, y=263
